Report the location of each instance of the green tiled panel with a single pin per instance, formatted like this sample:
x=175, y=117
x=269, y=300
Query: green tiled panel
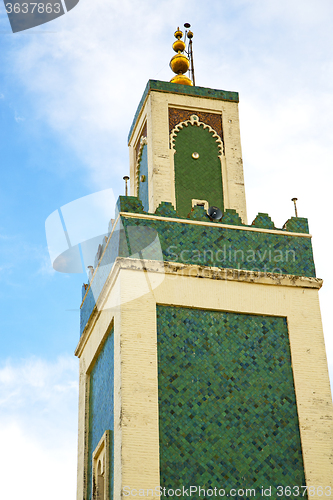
x=264, y=221
x=227, y=409
x=199, y=178
x=218, y=246
x=212, y=246
x=298, y=225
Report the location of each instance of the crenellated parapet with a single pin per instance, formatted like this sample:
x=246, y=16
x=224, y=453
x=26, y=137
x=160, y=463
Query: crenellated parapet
x=197, y=240
x=132, y=204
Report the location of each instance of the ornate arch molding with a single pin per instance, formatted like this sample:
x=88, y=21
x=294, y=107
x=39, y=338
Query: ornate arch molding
x=194, y=120
x=143, y=141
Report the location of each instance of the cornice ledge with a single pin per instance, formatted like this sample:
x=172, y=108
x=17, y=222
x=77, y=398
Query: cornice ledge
x=190, y=271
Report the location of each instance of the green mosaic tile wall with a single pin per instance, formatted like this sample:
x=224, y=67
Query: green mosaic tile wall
x=199, y=178
x=213, y=246
x=228, y=248
x=227, y=409
x=101, y=406
x=297, y=224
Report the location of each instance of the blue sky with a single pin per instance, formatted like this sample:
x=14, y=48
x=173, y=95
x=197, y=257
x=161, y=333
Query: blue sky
x=68, y=93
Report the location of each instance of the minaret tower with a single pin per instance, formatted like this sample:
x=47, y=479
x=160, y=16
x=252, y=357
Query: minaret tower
x=203, y=370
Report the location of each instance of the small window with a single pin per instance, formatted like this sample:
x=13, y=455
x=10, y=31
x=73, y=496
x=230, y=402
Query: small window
x=101, y=468
x=100, y=478
x=200, y=203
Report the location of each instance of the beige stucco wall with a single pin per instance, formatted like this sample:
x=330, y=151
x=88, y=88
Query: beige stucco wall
x=160, y=157
x=136, y=383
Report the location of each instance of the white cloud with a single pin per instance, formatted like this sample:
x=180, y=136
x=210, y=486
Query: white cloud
x=6, y=237
x=38, y=434
x=33, y=388
x=86, y=80
x=45, y=268
x=18, y=118
x=4, y=269
x=32, y=471
x=16, y=251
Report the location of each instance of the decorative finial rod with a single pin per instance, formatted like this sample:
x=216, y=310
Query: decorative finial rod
x=189, y=35
x=294, y=200
x=180, y=62
x=126, y=179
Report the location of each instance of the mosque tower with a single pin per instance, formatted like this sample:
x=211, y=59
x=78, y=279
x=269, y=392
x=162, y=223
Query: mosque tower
x=202, y=358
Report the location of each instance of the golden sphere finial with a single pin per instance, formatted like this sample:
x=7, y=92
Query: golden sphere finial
x=180, y=62
x=178, y=33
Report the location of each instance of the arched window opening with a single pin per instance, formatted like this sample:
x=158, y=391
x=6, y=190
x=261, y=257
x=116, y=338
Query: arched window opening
x=100, y=481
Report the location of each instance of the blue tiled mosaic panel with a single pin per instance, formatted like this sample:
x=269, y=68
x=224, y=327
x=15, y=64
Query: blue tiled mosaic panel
x=227, y=409
x=143, y=186
x=101, y=405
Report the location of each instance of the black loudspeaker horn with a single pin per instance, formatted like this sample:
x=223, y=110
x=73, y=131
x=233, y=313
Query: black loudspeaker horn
x=215, y=213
